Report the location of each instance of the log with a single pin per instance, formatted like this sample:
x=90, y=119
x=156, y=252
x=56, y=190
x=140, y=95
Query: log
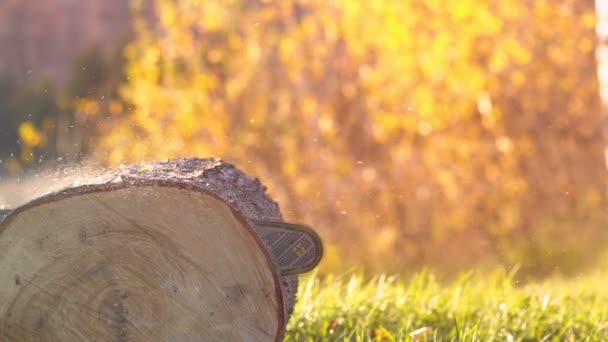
x=183, y=250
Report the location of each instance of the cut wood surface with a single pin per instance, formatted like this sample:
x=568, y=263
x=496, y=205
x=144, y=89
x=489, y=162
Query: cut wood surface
x=156, y=252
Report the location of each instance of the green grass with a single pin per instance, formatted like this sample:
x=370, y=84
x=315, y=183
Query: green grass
x=473, y=308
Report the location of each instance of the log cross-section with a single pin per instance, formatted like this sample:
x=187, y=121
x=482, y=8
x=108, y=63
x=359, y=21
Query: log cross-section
x=157, y=252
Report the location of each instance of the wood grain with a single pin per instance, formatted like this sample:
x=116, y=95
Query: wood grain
x=137, y=261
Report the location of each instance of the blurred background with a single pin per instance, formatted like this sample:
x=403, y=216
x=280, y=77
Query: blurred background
x=450, y=135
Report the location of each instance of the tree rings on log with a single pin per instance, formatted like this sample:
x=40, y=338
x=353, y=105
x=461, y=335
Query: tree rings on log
x=143, y=259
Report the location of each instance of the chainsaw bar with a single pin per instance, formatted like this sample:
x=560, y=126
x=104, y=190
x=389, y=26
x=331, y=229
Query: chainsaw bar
x=296, y=248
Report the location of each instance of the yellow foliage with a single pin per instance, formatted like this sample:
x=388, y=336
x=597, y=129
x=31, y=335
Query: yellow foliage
x=442, y=116
x=87, y=107
x=30, y=135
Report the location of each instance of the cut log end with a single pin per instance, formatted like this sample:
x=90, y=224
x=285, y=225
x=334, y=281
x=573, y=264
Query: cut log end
x=144, y=262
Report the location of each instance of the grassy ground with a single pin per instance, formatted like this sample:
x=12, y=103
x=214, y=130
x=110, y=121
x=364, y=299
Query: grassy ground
x=474, y=308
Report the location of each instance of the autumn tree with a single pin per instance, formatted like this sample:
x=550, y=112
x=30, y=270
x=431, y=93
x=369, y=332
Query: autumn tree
x=408, y=132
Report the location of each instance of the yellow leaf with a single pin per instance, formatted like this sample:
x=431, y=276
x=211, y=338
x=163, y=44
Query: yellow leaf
x=29, y=134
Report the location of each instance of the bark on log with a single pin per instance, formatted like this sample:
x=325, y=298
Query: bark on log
x=98, y=226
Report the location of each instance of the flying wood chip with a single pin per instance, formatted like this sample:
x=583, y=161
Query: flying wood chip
x=184, y=250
